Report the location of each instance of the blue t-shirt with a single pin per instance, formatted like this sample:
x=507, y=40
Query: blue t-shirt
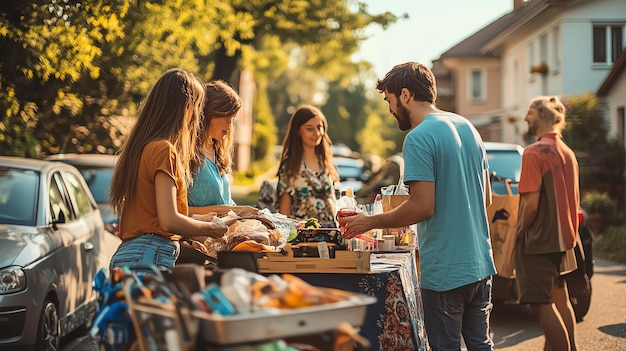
x=454, y=244
x=209, y=187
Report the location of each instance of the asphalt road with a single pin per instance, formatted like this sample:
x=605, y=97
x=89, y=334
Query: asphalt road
x=515, y=328
x=604, y=327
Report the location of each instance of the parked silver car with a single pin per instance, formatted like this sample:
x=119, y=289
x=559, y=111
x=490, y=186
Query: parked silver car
x=97, y=169
x=52, y=243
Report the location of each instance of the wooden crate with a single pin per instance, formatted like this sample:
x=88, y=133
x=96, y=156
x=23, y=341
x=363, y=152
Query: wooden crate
x=344, y=262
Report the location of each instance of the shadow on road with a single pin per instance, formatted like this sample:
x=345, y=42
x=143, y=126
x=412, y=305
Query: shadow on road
x=512, y=325
x=618, y=330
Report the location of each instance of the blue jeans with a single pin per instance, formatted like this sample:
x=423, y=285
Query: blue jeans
x=146, y=250
x=461, y=311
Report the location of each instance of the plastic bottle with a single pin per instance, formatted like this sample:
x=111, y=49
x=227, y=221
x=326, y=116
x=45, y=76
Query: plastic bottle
x=378, y=209
x=346, y=205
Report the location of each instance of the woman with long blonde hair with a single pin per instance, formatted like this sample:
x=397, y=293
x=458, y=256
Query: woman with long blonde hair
x=149, y=184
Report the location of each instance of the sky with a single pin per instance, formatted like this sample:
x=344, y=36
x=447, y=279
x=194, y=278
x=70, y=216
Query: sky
x=433, y=27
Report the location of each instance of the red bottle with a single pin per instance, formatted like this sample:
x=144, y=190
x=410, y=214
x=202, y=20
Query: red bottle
x=345, y=212
x=346, y=205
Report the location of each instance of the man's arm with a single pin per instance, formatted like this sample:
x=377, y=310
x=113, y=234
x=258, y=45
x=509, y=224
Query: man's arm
x=419, y=206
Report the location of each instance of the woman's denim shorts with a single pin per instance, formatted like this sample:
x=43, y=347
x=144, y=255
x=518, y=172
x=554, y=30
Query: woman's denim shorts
x=145, y=251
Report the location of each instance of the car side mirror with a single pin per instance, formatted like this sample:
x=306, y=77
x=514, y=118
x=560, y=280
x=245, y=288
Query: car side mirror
x=58, y=216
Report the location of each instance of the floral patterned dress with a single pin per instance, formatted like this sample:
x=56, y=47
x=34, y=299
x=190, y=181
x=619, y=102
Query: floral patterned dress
x=313, y=194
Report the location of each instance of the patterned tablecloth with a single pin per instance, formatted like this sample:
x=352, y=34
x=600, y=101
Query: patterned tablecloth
x=398, y=311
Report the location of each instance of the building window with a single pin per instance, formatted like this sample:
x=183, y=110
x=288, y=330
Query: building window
x=556, y=48
x=607, y=42
x=477, y=84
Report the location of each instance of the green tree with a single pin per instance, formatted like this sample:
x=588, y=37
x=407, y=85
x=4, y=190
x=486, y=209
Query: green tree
x=71, y=69
x=601, y=159
x=356, y=112
x=297, y=84
x=328, y=26
x=346, y=110
x=381, y=135
x=47, y=47
x=87, y=63
x=157, y=36
x=264, y=135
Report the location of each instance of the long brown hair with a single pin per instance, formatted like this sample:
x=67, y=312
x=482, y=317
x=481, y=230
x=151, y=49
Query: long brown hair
x=221, y=100
x=171, y=111
x=292, y=144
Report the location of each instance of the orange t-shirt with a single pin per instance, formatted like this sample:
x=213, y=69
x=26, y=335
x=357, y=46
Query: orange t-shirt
x=550, y=168
x=140, y=216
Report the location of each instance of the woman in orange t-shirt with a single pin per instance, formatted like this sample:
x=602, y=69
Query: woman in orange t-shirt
x=149, y=185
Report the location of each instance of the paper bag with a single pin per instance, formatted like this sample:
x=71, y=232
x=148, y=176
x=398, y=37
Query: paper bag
x=502, y=215
x=406, y=236
x=392, y=201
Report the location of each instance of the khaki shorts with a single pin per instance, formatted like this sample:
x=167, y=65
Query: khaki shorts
x=536, y=275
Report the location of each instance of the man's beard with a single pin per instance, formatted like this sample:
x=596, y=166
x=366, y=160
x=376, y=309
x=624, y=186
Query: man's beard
x=404, y=122
x=532, y=129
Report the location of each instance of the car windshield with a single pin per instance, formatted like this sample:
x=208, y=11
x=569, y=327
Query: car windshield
x=348, y=172
x=18, y=196
x=349, y=168
x=99, y=181
x=506, y=163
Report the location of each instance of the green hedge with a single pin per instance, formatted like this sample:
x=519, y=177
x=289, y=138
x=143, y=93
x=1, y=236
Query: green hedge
x=612, y=244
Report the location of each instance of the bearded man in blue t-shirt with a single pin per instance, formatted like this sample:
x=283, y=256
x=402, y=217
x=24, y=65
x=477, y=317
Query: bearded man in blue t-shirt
x=446, y=170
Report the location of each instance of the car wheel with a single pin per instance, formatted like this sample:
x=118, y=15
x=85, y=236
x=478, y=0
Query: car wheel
x=48, y=331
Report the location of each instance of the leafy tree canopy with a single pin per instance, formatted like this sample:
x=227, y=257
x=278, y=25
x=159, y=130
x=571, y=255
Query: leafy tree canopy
x=331, y=29
x=601, y=159
x=48, y=46
x=72, y=73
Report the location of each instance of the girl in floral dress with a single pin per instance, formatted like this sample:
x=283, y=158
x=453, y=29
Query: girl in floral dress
x=308, y=183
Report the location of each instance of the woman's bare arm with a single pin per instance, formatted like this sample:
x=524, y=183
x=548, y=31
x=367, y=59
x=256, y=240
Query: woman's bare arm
x=284, y=204
x=241, y=211
x=172, y=221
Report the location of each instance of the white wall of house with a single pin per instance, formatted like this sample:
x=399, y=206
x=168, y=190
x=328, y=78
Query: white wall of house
x=581, y=74
x=531, y=46
x=515, y=77
x=564, y=39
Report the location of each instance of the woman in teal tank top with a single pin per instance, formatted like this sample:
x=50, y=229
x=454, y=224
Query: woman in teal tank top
x=212, y=166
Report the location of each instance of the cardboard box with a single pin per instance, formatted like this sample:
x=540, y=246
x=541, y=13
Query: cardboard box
x=344, y=262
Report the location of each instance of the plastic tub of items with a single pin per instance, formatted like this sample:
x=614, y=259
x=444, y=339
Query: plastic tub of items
x=277, y=324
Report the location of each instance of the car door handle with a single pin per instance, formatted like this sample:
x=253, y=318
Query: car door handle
x=88, y=246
